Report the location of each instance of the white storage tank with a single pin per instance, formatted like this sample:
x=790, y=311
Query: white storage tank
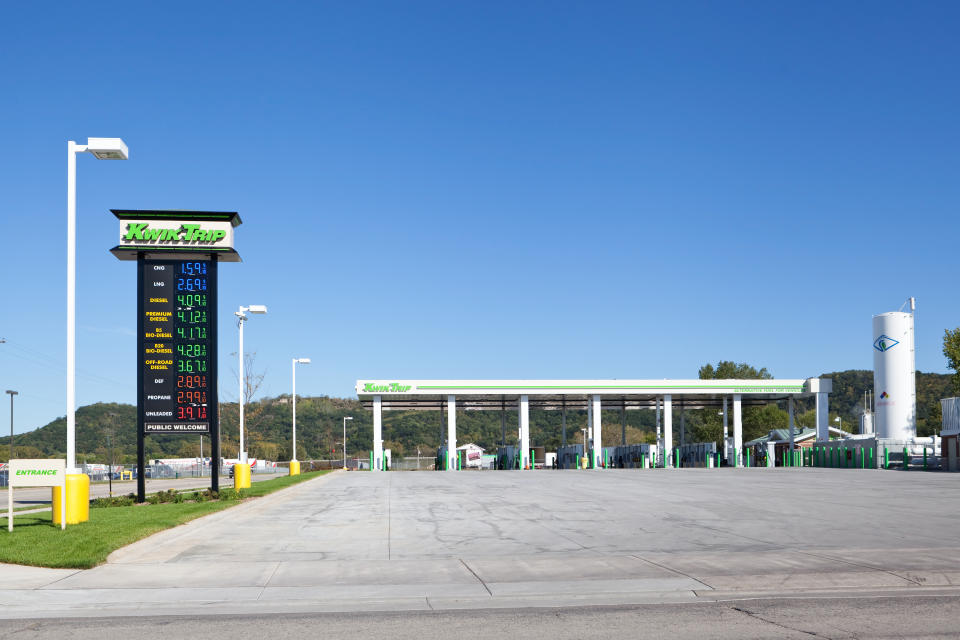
x=894, y=375
x=866, y=423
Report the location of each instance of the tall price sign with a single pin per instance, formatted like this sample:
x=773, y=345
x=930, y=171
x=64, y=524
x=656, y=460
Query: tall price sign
x=177, y=254
x=178, y=335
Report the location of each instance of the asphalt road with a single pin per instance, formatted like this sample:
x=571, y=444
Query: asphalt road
x=40, y=496
x=797, y=617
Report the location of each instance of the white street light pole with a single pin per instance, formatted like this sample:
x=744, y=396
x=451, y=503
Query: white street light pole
x=102, y=149
x=293, y=398
x=345, y=440
x=242, y=317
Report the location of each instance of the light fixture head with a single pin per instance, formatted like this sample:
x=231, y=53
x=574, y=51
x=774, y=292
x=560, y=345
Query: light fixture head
x=302, y=360
x=348, y=417
x=13, y=393
x=257, y=308
x=107, y=148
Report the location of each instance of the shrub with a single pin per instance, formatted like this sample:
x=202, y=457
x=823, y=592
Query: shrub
x=116, y=501
x=160, y=497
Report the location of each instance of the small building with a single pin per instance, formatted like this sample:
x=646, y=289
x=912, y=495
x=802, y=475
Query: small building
x=804, y=438
x=950, y=434
x=472, y=455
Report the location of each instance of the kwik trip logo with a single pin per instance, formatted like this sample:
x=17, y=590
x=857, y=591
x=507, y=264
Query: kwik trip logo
x=184, y=234
x=393, y=387
x=885, y=343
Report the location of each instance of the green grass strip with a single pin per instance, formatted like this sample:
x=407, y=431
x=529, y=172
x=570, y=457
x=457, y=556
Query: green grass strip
x=36, y=542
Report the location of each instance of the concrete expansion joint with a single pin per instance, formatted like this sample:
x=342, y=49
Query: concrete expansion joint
x=266, y=583
x=676, y=571
x=756, y=616
x=917, y=581
x=474, y=573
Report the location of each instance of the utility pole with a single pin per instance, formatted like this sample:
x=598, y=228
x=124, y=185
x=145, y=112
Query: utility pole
x=113, y=423
x=12, y=393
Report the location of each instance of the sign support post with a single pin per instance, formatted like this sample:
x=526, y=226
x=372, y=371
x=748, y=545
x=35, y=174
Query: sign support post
x=141, y=467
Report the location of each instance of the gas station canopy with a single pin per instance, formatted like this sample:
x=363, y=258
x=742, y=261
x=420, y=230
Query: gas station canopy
x=592, y=395
x=576, y=394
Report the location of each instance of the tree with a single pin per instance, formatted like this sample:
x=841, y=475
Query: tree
x=951, y=350
x=757, y=421
x=190, y=448
x=729, y=370
x=230, y=412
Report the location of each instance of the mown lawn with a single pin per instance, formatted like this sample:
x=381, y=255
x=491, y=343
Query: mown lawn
x=35, y=541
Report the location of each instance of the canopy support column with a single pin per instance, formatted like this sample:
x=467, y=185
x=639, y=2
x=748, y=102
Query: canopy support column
x=790, y=417
x=667, y=431
x=659, y=436
x=737, y=429
x=597, y=433
x=726, y=433
x=503, y=421
x=451, y=433
x=377, y=432
x=563, y=422
x=823, y=416
x=623, y=421
x=525, y=457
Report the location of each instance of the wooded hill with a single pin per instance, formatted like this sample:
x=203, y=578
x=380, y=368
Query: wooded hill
x=319, y=426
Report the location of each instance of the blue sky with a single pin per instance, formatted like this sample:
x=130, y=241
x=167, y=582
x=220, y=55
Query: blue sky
x=488, y=190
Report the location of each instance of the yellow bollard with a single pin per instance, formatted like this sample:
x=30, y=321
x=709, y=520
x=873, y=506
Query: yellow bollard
x=241, y=476
x=78, y=499
x=294, y=467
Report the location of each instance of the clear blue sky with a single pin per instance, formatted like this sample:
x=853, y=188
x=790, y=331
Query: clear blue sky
x=488, y=190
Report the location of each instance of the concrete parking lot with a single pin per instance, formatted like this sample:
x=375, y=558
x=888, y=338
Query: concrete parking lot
x=426, y=541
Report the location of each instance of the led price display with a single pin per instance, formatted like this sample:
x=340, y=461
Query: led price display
x=177, y=334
